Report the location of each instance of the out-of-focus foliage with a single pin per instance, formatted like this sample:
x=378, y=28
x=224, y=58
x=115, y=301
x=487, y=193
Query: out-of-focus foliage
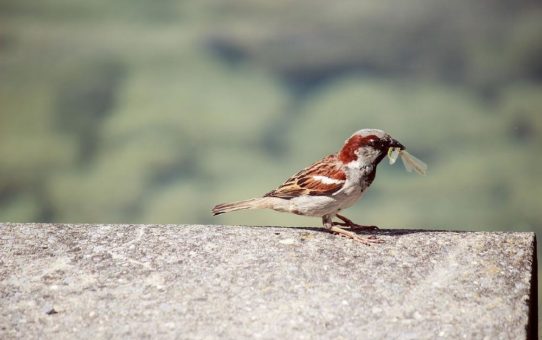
x=153, y=111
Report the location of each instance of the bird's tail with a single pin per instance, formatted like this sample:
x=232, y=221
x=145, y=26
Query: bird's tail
x=253, y=203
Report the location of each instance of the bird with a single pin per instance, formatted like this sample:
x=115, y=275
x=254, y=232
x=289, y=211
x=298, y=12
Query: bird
x=333, y=184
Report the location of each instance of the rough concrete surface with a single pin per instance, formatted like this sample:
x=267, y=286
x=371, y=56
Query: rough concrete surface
x=192, y=281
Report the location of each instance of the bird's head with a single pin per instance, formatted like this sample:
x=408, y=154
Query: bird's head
x=367, y=146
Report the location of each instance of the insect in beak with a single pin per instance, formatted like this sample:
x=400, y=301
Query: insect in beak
x=410, y=162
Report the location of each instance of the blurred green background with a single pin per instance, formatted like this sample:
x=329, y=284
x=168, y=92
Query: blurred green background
x=135, y=111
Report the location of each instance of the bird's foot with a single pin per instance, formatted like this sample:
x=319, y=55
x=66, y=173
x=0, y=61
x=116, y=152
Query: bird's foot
x=365, y=240
x=354, y=226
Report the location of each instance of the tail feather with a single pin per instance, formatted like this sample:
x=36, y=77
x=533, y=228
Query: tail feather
x=253, y=203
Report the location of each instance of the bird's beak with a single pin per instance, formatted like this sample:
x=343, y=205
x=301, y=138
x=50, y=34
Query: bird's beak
x=396, y=144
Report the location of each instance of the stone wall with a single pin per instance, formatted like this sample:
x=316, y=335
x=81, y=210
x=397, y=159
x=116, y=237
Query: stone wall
x=197, y=281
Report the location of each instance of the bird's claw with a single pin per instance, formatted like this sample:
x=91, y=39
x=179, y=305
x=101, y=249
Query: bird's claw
x=354, y=226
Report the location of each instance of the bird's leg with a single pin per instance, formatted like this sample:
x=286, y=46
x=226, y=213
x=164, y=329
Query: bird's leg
x=348, y=223
x=328, y=224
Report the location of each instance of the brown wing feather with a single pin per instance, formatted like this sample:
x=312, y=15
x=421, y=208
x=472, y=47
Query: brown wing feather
x=305, y=183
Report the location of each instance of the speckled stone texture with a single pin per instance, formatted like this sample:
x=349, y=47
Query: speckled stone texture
x=193, y=281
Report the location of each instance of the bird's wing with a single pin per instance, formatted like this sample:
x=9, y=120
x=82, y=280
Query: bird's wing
x=324, y=177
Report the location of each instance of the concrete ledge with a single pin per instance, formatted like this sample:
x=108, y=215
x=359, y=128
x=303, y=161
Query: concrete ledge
x=193, y=281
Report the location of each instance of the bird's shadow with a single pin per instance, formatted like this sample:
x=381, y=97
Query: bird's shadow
x=383, y=231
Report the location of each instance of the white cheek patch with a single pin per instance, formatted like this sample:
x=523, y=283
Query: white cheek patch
x=327, y=180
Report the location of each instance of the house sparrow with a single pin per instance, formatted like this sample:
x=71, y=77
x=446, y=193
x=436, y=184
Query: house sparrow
x=334, y=183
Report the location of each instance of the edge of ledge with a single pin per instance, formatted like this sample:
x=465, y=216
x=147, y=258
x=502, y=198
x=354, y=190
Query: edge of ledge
x=384, y=230
x=532, y=323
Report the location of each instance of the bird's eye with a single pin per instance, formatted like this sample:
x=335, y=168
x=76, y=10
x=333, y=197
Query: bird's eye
x=371, y=142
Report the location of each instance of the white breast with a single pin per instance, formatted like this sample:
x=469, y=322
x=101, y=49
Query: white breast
x=355, y=186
